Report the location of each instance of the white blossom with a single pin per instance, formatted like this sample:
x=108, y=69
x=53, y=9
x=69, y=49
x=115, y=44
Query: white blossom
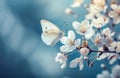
x=107, y=32
x=94, y=10
x=115, y=13
x=75, y=62
x=115, y=46
x=76, y=3
x=112, y=57
x=62, y=59
x=98, y=40
x=81, y=28
x=69, y=42
x=100, y=21
x=100, y=3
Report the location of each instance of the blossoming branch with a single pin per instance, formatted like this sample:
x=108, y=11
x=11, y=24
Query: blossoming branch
x=96, y=32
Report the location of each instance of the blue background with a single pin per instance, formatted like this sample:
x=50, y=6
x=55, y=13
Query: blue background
x=22, y=52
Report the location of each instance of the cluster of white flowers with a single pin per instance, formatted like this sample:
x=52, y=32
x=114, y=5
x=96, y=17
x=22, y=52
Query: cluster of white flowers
x=115, y=13
x=115, y=73
x=62, y=59
x=96, y=27
x=69, y=42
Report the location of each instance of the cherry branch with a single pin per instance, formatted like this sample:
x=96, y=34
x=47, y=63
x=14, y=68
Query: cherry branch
x=105, y=51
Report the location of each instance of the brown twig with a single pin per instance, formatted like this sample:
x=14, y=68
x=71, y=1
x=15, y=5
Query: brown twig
x=105, y=51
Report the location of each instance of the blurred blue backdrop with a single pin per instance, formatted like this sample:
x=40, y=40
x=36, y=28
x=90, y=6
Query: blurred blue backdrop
x=22, y=52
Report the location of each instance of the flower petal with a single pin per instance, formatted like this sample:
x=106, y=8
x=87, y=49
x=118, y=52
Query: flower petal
x=85, y=23
x=112, y=61
x=63, y=65
x=113, y=44
x=112, y=14
x=90, y=16
x=67, y=48
x=111, y=48
x=118, y=47
x=96, y=23
x=74, y=63
x=103, y=56
x=115, y=7
x=107, y=32
x=76, y=25
x=64, y=40
x=116, y=20
x=81, y=65
x=60, y=58
x=90, y=33
x=77, y=42
x=71, y=35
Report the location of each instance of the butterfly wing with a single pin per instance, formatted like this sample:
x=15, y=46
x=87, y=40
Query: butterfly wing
x=48, y=26
x=51, y=33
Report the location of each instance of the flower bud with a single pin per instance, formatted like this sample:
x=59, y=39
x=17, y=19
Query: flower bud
x=68, y=11
x=84, y=51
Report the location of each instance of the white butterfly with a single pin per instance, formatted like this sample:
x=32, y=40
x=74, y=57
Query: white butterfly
x=51, y=33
